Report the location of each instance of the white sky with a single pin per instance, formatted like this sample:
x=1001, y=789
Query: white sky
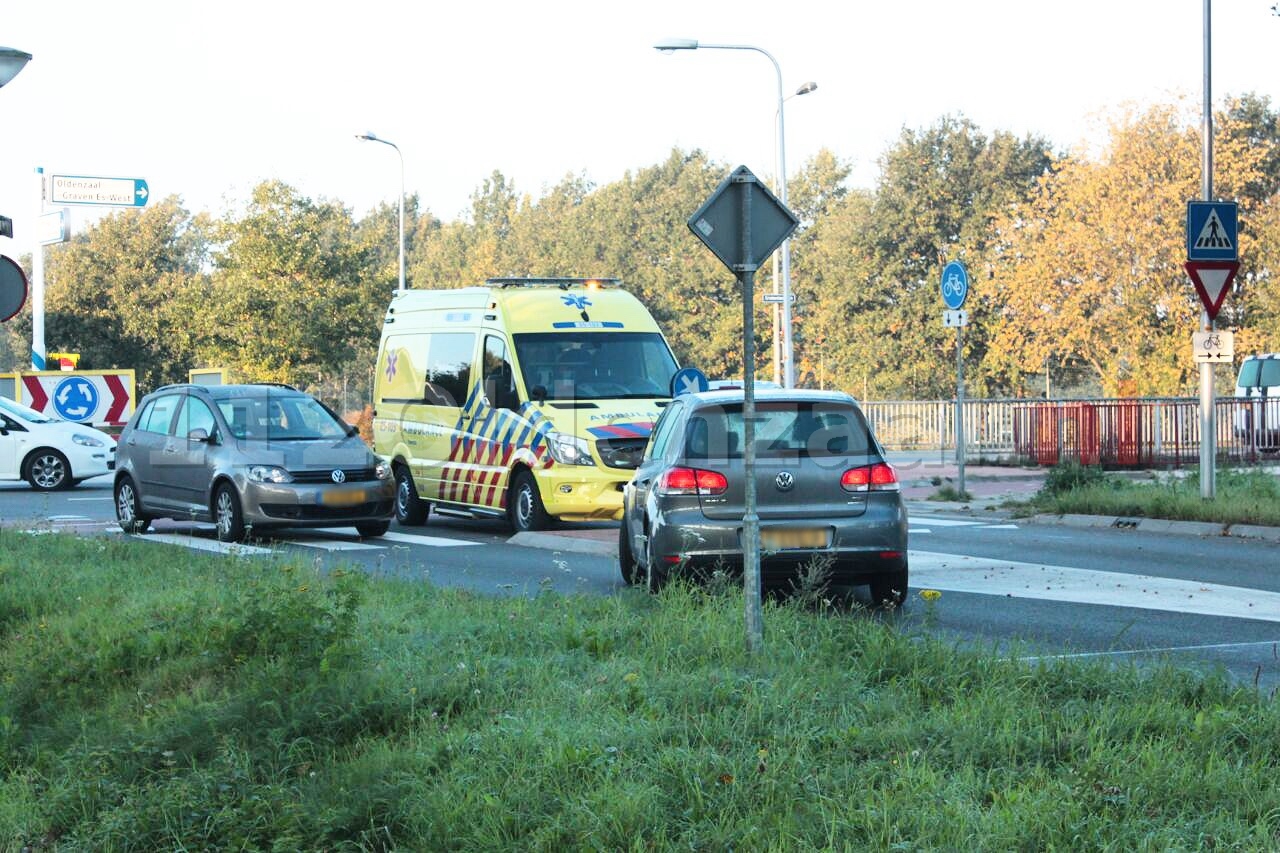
x=205, y=99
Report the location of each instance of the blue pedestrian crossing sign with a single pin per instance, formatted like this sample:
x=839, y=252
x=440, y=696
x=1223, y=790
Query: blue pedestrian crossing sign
x=1212, y=231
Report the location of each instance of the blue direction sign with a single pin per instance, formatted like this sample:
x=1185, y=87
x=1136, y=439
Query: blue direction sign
x=1212, y=231
x=689, y=380
x=112, y=192
x=955, y=285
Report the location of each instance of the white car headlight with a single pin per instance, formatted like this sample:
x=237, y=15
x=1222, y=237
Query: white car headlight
x=569, y=449
x=269, y=474
x=86, y=440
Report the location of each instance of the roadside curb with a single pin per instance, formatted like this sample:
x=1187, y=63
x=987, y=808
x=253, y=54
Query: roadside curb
x=1161, y=525
x=558, y=542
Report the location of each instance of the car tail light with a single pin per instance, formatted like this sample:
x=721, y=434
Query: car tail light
x=879, y=477
x=692, y=481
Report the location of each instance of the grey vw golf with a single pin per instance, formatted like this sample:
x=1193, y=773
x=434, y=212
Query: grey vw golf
x=824, y=492
x=247, y=457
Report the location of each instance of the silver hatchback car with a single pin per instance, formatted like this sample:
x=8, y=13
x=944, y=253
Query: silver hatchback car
x=247, y=457
x=824, y=492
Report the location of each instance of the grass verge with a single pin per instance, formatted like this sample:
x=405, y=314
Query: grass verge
x=1243, y=496
x=156, y=699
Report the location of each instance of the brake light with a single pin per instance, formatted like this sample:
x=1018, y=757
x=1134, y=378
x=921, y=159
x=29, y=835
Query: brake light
x=879, y=477
x=692, y=481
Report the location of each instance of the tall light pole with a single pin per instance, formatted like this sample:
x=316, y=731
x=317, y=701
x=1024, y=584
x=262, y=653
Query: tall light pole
x=668, y=45
x=12, y=61
x=805, y=88
x=370, y=136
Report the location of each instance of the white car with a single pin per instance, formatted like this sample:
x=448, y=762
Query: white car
x=50, y=453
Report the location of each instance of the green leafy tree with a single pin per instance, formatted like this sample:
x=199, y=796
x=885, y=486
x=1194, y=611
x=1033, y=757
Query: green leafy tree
x=297, y=295
x=121, y=293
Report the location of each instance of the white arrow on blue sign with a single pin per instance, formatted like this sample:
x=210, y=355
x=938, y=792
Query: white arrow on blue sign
x=112, y=192
x=1212, y=231
x=689, y=380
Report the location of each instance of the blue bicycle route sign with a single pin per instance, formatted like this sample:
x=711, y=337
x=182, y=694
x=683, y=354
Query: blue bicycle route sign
x=955, y=285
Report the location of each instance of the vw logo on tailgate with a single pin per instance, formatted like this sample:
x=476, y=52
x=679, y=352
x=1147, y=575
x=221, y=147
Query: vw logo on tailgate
x=338, y=475
x=784, y=481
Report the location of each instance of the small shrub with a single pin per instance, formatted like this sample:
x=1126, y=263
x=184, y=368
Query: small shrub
x=1070, y=475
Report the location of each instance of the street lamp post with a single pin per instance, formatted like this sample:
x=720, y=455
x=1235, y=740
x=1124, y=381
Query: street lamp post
x=668, y=45
x=370, y=136
x=12, y=61
x=778, y=188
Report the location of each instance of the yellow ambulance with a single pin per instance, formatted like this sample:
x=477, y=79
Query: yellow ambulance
x=529, y=399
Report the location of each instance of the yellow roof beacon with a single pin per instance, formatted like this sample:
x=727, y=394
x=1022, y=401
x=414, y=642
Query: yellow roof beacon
x=527, y=398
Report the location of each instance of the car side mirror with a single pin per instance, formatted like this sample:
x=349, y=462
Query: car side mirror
x=200, y=434
x=539, y=393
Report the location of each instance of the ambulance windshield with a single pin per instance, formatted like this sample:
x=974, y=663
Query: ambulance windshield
x=595, y=365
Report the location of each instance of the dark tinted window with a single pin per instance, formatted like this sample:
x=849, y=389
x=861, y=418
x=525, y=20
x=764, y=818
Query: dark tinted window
x=783, y=430
x=1270, y=374
x=159, y=414
x=449, y=368
x=595, y=365
x=499, y=379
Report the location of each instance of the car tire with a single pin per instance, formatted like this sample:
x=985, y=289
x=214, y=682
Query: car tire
x=655, y=576
x=411, y=510
x=524, y=508
x=372, y=529
x=48, y=470
x=632, y=572
x=227, y=515
x=129, y=508
x=889, y=590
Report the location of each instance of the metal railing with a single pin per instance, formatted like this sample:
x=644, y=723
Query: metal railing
x=1115, y=432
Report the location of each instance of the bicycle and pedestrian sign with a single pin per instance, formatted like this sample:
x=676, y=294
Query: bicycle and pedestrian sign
x=1217, y=347
x=955, y=285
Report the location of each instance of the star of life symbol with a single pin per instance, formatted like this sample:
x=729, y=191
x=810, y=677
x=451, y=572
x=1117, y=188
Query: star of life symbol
x=579, y=302
x=393, y=356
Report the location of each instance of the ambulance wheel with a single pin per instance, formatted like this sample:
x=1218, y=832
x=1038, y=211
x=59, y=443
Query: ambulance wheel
x=524, y=508
x=411, y=510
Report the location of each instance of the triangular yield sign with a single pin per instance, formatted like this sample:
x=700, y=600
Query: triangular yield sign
x=1212, y=280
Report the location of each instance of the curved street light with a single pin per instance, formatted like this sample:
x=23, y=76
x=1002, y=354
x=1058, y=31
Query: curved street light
x=12, y=61
x=673, y=44
x=805, y=88
x=370, y=136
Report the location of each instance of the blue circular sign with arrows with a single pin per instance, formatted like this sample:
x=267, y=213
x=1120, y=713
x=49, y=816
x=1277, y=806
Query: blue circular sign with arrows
x=689, y=380
x=75, y=399
x=955, y=285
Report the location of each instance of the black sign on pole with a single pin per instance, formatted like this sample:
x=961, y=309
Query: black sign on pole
x=6, y=226
x=719, y=223
x=743, y=223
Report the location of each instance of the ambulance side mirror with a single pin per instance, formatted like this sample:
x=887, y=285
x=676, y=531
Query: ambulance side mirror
x=539, y=393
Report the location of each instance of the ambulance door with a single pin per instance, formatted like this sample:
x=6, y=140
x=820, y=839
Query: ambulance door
x=449, y=400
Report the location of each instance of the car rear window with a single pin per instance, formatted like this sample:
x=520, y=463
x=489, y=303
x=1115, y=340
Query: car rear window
x=783, y=430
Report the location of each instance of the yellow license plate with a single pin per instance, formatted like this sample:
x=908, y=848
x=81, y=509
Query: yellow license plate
x=343, y=498
x=793, y=538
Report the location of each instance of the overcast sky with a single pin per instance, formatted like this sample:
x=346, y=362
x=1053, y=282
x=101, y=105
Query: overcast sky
x=204, y=100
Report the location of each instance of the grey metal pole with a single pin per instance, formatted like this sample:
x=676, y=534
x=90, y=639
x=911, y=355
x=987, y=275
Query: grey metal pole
x=1208, y=421
x=960, y=404
x=750, y=517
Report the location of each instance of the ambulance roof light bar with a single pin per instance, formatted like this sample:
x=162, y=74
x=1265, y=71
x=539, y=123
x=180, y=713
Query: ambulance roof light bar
x=562, y=283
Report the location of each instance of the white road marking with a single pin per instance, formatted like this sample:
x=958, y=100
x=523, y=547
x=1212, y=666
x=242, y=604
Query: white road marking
x=405, y=538
x=103, y=498
x=332, y=544
x=985, y=576
x=946, y=522
x=1160, y=651
x=919, y=530
x=234, y=548
x=69, y=518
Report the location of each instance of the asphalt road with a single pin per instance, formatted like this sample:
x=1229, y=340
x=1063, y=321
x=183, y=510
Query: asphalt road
x=1025, y=589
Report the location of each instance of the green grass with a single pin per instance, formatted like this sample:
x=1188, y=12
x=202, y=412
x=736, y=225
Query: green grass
x=1242, y=496
x=155, y=699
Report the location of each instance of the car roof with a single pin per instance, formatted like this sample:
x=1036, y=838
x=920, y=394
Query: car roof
x=768, y=395
x=247, y=389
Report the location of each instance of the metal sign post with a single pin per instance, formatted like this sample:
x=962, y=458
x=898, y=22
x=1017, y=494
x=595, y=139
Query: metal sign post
x=955, y=289
x=743, y=223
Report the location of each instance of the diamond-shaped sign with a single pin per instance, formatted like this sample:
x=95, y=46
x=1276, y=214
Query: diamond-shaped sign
x=742, y=207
